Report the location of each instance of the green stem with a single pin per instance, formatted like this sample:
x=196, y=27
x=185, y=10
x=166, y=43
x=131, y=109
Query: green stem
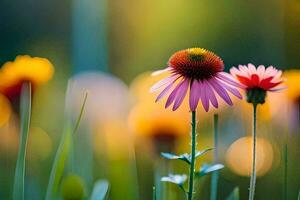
x=193, y=152
x=285, y=154
x=215, y=174
x=253, y=173
x=25, y=112
x=154, y=193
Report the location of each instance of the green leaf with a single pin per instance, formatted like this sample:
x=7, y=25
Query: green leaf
x=62, y=155
x=59, y=163
x=100, y=190
x=184, y=157
x=177, y=179
x=200, y=153
x=234, y=195
x=18, y=189
x=207, y=168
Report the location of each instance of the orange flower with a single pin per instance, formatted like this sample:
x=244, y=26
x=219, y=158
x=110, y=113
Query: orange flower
x=24, y=68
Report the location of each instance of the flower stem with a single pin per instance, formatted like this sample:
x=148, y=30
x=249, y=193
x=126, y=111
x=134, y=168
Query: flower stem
x=18, y=190
x=285, y=155
x=215, y=174
x=253, y=173
x=193, y=152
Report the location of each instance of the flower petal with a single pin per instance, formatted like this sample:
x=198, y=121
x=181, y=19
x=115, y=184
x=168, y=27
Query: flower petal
x=165, y=91
x=181, y=93
x=163, y=82
x=252, y=68
x=173, y=94
x=229, y=79
x=205, y=101
x=220, y=90
x=211, y=95
x=233, y=91
x=155, y=73
x=195, y=94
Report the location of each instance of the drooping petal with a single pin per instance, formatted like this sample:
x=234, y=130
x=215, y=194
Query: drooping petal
x=163, y=82
x=173, y=94
x=277, y=89
x=195, y=94
x=181, y=94
x=233, y=91
x=155, y=73
x=211, y=95
x=220, y=90
x=229, y=79
x=165, y=91
x=204, y=99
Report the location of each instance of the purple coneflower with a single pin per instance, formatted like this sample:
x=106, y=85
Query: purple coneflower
x=201, y=71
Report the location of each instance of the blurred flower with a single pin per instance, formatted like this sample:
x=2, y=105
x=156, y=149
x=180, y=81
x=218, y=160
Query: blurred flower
x=152, y=121
x=5, y=110
x=39, y=145
x=107, y=134
x=72, y=188
x=258, y=81
x=9, y=141
x=239, y=156
x=201, y=70
x=107, y=97
x=24, y=68
x=162, y=126
x=293, y=86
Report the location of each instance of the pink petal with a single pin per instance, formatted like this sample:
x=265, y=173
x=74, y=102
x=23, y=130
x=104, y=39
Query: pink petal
x=195, y=93
x=220, y=90
x=163, y=82
x=165, y=91
x=173, y=94
x=232, y=90
x=244, y=70
x=205, y=101
x=211, y=95
x=181, y=94
x=261, y=72
x=155, y=73
x=234, y=71
x=277, y=89
x=252, y=68
x=229, y=79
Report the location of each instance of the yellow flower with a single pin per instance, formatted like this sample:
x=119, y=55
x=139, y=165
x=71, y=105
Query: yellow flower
x=151, y=120
x=293, y=86
x=24, y=68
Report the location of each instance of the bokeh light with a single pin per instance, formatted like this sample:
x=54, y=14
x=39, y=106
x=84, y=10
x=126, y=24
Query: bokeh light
x=239, y=156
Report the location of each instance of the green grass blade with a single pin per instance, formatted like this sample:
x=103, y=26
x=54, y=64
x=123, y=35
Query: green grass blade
x=100, y=190
x=59, y=163
x=234, y=195
x=25, y=112
x=62, y=155
x=154, y=193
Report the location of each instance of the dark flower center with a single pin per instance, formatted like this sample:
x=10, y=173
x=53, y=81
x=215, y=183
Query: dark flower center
x=256, y=95
x=196, y=63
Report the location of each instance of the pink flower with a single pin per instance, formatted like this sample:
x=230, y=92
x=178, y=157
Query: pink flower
x=199, y=71
x=257, y=81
